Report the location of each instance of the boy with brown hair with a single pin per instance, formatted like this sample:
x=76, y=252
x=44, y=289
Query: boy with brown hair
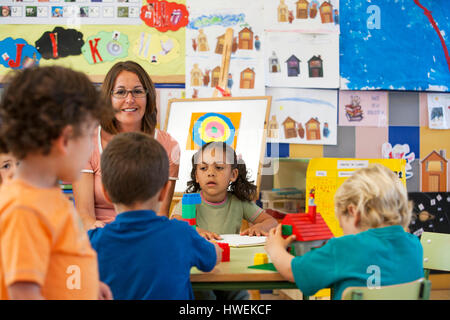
x=142, y=255
x=48, y=116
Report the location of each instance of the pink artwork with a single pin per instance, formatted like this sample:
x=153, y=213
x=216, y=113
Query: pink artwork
x=363, y=108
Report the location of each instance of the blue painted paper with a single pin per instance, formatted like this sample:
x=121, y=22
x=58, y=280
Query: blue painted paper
x=392, y=45
x=18, y=54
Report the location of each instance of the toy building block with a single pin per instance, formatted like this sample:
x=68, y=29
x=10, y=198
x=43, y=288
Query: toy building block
x=260, y=258
x=188, y=207
x=225, y=251
x=286, y=230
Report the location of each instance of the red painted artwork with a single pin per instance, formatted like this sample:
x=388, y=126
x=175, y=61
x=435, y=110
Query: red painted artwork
x=164, y=15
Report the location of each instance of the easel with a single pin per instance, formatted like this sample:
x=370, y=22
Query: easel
x=226, y=55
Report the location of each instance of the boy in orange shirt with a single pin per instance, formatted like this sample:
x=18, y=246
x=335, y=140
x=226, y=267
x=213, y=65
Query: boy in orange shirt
x=48, y=116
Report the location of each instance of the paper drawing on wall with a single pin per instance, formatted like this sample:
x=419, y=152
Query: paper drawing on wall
x=434, y=172
x=282, y=12
x=274, y=63
x=18, y=54
x=164, y=15
x=293, y=66
x=399, y=151
x=315, y=67
x=353, y=110
x=272, y=127
x=306, y=116
x=196, y=76
x=245, y=39
x=156, y=48
x=105, y=46
x=207, y=127
x=247, y=79
x=313, y=129
x=202, y=41
x=60, y=43
x=438, y=111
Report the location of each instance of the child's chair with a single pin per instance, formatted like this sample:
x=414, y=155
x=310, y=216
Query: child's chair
x=436, y=252
x=415, y=290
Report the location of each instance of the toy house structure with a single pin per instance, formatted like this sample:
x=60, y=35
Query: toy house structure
x=283, y=200
x=434, y=172
x=310, y=229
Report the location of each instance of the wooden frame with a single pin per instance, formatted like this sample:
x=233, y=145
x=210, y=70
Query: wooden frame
x=177, y=124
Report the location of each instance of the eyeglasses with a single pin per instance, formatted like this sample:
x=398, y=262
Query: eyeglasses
x=123, y=93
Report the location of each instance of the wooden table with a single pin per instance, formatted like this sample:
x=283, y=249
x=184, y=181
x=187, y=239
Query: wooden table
x=235, y=274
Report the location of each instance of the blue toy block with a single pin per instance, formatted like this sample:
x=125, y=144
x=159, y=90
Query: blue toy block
x=191, y=198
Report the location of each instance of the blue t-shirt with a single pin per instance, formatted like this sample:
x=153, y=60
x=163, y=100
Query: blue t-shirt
x=380, y=256
x=144, y=256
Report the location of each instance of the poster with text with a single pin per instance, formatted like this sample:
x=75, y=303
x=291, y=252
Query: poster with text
x=363, y=108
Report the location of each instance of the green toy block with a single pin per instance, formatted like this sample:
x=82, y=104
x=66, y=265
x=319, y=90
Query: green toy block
x=188, y=211
x=286, y=230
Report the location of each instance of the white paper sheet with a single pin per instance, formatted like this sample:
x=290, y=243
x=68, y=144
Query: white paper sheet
x=236, y=240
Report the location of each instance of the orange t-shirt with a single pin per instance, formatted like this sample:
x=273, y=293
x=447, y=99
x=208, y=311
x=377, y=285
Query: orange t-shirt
x=42, y=240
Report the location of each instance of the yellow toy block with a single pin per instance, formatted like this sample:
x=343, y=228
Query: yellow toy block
x=260, y=258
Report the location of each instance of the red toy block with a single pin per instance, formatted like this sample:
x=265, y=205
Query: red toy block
x=225, y=251
x=192, y=222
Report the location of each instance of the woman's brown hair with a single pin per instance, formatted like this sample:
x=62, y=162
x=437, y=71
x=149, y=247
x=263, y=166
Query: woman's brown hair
x=149, y=120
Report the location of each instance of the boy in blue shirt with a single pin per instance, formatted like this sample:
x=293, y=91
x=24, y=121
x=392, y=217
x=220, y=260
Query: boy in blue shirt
x=373, y=210
x=142, y=255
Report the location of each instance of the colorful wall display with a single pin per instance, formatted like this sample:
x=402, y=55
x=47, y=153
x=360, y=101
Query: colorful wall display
x=18, y=54
x=395, y=45
x=302, y=116
x=438, y=111
x=317, y=16
x=205, y=34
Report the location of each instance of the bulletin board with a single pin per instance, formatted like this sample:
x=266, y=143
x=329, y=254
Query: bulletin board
x=325, y=175
x=91, y=36
x=240, y=122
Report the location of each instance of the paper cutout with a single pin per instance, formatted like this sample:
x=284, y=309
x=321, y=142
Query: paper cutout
x=60, y=43
x=164, y=16
x=236, y=240
x=207, y=127
x=399, y=152
x=434, y=169
x=438, y=111
x=156, y=48
x=363, y=108
x=105, y=46
x=18, y=54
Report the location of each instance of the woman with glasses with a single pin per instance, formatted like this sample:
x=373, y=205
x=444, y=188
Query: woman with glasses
x=133, y=97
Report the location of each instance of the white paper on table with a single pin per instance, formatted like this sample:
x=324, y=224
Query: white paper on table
x=236, y=240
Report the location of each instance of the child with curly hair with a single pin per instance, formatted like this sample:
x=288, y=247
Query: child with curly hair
x=227, y=196
x=48, y=116
x=373, y=211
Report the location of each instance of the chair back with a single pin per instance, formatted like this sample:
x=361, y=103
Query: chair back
x=415, y=290
x=436, y=251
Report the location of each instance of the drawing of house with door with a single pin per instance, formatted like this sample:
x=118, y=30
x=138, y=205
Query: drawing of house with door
x=293, y=66
x=196, y=76
x=272, y=127
x=302, y=9
x=289, y=128
x=247, y=79
x=434, y=172
x=245, y=40
x=202, y=41
x=315, y=66
x=312, y=129
x=282, y=12
x=274, y=64
x=215, y=77
x=219, y=44
x=326, y=12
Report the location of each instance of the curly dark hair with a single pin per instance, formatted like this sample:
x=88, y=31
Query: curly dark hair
x=242, y=188
x=39, y=102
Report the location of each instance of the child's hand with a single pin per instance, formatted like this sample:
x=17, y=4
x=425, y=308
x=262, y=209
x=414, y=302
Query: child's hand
x=275, y=240
x=104, y=292
x=255, y=230
x=208, y=235
x=98, y=224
